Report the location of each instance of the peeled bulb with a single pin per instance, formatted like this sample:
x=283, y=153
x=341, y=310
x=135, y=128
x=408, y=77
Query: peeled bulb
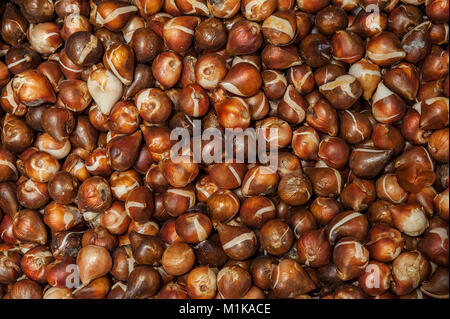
x=105, y=88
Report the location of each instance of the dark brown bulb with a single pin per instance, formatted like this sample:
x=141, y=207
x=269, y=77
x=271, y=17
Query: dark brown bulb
x=238, y=242
x=63, y=188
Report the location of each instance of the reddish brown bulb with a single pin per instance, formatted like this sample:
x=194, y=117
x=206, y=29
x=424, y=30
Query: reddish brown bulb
x=238, y=242
x=384, y=242
x=139, y=204
x=414, y=169
x=94, y=194
x=223, y=205
x=256, y=211
x=351, y=258
x=193, y=227
x=201, y=283
x=313, y=249
x=405, y=281
x=290, y=280
x=233, y=282
x=295, y=189
x=276, y=237
x=178, y=259
x=316, y=50
x=245, y=37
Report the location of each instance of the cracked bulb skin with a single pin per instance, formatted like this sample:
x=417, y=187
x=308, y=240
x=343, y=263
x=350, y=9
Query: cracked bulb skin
x=344, y=103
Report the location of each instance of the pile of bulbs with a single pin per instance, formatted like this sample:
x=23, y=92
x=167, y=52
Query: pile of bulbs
x=92, y=204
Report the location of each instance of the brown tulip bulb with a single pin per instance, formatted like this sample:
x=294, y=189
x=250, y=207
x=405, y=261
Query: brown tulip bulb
x=94, y=194
x=376, y=278
x=438, y=145
x=16, y=135
x=323, y=117
x=93, y=262
x=243, y=80
x=437, y=285
x=178, y=259
x=34, y=263
x=409, y=218
x=59, y=123
x=143, y=282
x=164, y=63
x=351, y=258
x=44, y=37
x=256, y=211
x=414, y=169
x=259, y=180
x=172, y=291
x=290, y=280
x=355, y=127
x=384, y=243
x=280, y=28
x=147, y=250
x=331, y=19
x=434, y=245
x=122, y=151
x=210, y=34
x=238, y=242
x=139, y=203
x=124, y=118
x=33, y=88
x=409, y=269
x=385, y=49
x=146, y=45
x=367, y=162
x=63, y=188
x=441, y=204
x=223, y=205
x=316, y=50
x=178, y=32
x=193, y=228
x=324, y=209
x=119, y=59
x=21, y=59
x=84, y=48
x=32, y=195
x=313, y=249
x=245, y=37
x=29, y=226
x=233, y=113
x=368, y=74
x=60, y=271
x=358, y=194
x=26, y=289
x=201, y=283
x=61, y=217
x=99, y=236
x=210, y=252
x=388, y=137
x=11, y=269
x=276, y=237
x=66, y=243
x=326, y=181
x=403, y=79
x=143, y=78
x=177, y=201
x=14, y=25
x=295, y=189
x=115, y=218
